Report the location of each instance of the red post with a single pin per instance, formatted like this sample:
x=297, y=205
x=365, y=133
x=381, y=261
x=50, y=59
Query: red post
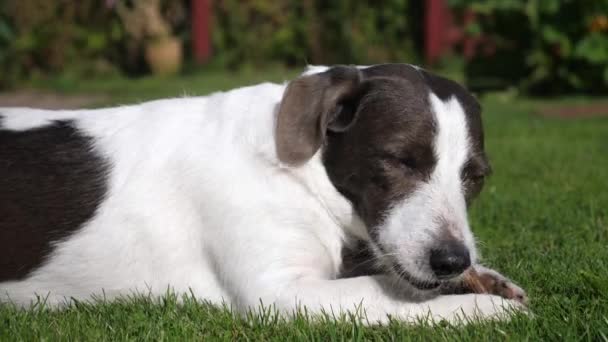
x=201, y=30
x=434, y=30
x=442, y=33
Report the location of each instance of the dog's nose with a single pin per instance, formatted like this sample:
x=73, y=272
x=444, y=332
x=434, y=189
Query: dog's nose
x=450, y=260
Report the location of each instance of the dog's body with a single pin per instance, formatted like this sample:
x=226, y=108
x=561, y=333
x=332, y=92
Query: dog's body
x=213, y=197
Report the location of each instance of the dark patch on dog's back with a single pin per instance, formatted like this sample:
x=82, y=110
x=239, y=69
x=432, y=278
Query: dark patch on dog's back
x=51, y=183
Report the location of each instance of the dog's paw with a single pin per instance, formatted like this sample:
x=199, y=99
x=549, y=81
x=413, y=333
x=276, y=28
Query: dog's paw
x=492, y=307
x=471, y=308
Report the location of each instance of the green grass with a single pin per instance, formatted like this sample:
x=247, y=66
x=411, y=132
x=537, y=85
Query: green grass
x=119, y=90
x=542, y=220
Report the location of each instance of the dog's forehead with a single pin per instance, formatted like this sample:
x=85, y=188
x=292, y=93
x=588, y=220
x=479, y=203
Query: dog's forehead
x=422, y=86
x=406, y=71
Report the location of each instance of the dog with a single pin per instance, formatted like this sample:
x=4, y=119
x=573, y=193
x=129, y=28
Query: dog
x=256, y=195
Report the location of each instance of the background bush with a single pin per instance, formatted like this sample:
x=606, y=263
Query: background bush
x=315, y=31
x=542, y=46
x=41, y=36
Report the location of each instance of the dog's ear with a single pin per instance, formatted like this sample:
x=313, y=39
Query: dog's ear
x=313, y=105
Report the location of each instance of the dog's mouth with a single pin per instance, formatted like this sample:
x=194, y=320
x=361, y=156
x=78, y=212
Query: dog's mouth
x=420, y=284
x=401, y=273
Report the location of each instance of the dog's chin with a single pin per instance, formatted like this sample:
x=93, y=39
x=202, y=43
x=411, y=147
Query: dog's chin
x=415, y=282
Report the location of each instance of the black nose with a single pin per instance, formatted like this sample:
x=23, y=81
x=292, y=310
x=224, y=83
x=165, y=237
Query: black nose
x=450, y=259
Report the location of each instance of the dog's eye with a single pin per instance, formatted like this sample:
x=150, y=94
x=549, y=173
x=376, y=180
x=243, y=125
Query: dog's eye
x=473, y=175
x=477, y=177
x=473, y=178
x=408, y=162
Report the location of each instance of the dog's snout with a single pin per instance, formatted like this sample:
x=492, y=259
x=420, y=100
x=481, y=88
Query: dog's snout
x=450, y=259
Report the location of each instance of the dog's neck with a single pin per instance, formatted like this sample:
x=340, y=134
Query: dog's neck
x=314, y=177
x=257, y=126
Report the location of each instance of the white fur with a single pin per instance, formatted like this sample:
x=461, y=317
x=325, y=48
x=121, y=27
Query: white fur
x=199, y=203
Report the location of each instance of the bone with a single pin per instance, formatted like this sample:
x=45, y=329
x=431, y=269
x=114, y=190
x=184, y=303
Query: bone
x=491, y=284
x=473, y=281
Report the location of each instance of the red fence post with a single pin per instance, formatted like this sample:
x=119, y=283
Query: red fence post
x=201, y=30
x=442, y=32
x=434, y=28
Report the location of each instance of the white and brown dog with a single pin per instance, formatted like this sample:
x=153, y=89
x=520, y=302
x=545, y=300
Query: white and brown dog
x=263, y=193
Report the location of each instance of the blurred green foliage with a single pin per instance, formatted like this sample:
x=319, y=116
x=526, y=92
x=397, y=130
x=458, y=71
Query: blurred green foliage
x=543, y=46
x=314, y=31
x=41, y=36
x=85, y=37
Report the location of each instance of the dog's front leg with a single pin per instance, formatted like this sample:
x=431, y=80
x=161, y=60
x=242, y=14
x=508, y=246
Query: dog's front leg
x=370, y=297
x=480, y=279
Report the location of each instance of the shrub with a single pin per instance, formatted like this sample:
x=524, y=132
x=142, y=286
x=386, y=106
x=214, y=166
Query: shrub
x=314, y=31
x=542, y=46
x=40, y=36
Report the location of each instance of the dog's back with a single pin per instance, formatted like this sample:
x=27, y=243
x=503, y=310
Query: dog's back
x=87, y=195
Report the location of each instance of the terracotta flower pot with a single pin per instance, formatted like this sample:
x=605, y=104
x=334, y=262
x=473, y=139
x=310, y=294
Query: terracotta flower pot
x=164, y=56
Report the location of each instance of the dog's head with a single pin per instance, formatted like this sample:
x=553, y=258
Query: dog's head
x=406, y=148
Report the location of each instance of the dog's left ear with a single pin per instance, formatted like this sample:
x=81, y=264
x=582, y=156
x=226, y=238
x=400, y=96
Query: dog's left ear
x=313, y=105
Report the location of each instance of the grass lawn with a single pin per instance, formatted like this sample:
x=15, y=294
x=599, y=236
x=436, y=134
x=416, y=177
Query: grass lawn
x=542, y=220
x=118, y=90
